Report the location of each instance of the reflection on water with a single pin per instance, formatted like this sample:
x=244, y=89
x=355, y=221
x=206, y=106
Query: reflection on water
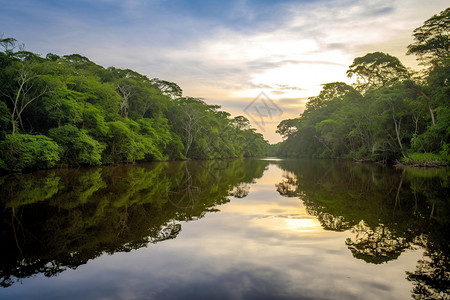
x=289, y=229
x=386, y=210
x=60, y=219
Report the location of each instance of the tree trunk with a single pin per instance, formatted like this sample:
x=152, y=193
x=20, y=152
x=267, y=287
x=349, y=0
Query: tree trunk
x=429, y=106
x=13, y=125
x=432, y=115
x=416, y=121
x=397, y=132
x=23, y=97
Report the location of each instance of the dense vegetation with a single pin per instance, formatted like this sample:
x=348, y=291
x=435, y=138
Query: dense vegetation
x=70, y=111
x=389, y=114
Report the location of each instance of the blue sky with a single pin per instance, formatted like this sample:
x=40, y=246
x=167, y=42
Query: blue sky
x=227, y=52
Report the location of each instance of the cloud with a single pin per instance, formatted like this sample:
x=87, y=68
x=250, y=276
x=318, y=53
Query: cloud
x=381, y=11
x=290, y=101
x=259, y=86
x=278, y=92
x=268, y=63
x=288, y=87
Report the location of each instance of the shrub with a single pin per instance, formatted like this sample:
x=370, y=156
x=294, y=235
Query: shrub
x=123, y=143
x=425, y=159
x=25, y=151
x=78, y=147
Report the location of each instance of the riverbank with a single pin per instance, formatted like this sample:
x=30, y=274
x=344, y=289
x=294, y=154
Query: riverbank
x=423, y=160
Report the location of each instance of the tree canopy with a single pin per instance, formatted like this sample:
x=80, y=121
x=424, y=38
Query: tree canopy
x=67, y=110
x=388, y=115
x=431, y=40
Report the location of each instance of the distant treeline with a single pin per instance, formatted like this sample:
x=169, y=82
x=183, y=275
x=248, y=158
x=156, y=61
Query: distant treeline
x=69, y=111
x=390, y=114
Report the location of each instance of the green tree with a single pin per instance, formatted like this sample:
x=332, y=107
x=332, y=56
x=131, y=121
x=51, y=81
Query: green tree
x=330, y=91
x=4, y=119
x=24, y=86
x=79, y=147
x=431, y=40
x=125, y=90
x=24, y=151
x=113, y=115
x=124, y=144
x=168, y=88
x=377, y=69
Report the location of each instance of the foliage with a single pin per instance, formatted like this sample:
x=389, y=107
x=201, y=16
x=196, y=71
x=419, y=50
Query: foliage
x=79, y=147
x=431, y=40
x=375, y=70
x=23, y=151
x=208, y=133
x=101, y=116
x=386, y=115
x=4, y=120
x=424, y=159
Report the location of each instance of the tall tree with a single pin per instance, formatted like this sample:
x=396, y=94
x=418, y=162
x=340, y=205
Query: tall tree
x=8, y=44
x=168, y=88
x=431, y=40
x=287, y=128
x=125, y=90
x=192, y=112
x=24, y=86
x=330, y=91
x=377, y=69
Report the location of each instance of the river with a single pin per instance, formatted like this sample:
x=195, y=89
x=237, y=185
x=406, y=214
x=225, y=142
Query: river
x=230, y=229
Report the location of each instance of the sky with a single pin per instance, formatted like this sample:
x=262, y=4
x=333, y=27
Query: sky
x=260, y=59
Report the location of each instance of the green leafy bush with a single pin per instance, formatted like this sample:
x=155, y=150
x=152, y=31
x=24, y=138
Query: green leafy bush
x=4, y=117
x=424, y=159
x=25, y=151
x=79, y=148
x=123, y=144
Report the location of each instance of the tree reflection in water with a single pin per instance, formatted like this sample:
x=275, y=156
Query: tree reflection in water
x=387, y=210
x=376, y=245
x=431, y=277
x=59, y=219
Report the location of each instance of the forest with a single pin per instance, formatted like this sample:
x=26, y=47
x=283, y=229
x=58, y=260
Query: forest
x=59, y=111
x=391, y=114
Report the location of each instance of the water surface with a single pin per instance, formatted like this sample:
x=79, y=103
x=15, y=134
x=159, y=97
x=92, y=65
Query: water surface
x=235, y=229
